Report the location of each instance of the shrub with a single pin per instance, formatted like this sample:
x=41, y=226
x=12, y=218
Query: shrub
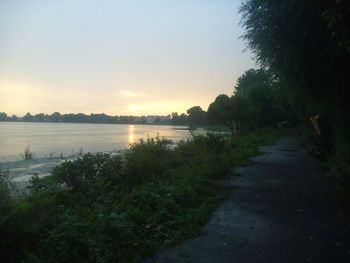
x=87, y=170
x=146, y=159
x=103, y=208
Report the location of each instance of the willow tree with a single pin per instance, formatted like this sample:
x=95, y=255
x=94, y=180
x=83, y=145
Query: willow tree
x=306, y=44
x=234, y=112
x=221, y=112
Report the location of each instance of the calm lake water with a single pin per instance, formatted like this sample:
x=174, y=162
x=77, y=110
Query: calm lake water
x=52, y=139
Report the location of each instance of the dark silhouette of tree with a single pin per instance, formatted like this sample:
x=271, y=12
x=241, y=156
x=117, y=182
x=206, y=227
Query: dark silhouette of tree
x=221, y=112
x=234, y=112
x=40, y=117
x=94, y=118
x=3, y=116
x=13, y=118
x=177, y=119
x=174, y=118
x=243, y=112
x=28, y=117
x=271, y=105
x=196, y=116
x=56, y=117
x=306, y=43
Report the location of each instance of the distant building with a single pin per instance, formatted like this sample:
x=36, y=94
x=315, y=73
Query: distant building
x=154, y=119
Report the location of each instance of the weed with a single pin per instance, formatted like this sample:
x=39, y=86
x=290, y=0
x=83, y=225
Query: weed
x=27, y=154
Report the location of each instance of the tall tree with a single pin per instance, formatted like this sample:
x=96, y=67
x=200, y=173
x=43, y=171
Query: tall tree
x=234, y=112
x=306, y=43
x=264, y=92
x=196, y=116
x=221, y=112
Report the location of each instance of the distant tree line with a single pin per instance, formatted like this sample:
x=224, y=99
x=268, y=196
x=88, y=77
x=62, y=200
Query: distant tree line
x=195, y=117
x=173, y=119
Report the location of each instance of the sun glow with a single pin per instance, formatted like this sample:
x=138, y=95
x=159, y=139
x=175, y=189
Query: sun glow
x=134, y=107
x=157, y=107
x=16, y=98
x=131, y=134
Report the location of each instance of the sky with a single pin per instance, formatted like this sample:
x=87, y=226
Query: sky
x=118, y=57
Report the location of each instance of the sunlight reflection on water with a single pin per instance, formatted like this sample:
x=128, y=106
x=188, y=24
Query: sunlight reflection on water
x=131, y=134
x=54, y=139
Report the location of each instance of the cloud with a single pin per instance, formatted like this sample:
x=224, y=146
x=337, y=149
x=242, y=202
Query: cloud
x=155, y=107
x=130, y=94
x=135, y=107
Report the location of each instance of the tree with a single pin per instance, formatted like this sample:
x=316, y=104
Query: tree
x=306, y=44
x=55, y=117
x=252, y=78
x=196, y=116
x=13, y=118
x=28, y=117
x=221, y=112
x=174, y=118
x=40, y=117
x=3, y=116
x=243, y=112
x=264, y=91
x=233, y=112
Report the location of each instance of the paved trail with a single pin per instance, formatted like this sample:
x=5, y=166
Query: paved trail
x=280, y=210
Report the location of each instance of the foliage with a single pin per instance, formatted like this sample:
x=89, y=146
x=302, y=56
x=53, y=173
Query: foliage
x=196, y=116
x=306, y=45
x=267, y=95
x=299, y=41
x=258, y=101
x=174, y=119
x=221, y=112
x=234, y=112
x=177, y=119
x=104, y=208
x=4, y=189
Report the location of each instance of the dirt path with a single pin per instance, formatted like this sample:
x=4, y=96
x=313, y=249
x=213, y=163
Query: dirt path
x=280, y=210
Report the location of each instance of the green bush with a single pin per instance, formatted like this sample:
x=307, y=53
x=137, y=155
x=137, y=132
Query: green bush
x=103, y=208
x=145, y=159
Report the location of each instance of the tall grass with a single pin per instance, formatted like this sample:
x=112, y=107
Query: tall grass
x=27, y=154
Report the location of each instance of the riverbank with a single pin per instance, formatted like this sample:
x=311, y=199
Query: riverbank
x=107, y=208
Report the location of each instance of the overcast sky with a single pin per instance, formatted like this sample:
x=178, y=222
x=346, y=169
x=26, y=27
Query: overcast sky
x=118, y=57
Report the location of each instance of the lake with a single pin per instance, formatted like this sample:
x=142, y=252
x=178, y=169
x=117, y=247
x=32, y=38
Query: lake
x=54, y=139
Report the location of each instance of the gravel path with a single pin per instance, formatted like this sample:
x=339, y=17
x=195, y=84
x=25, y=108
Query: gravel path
x=281, y=210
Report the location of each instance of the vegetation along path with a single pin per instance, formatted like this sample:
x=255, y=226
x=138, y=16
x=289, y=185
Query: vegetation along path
x=281, y=210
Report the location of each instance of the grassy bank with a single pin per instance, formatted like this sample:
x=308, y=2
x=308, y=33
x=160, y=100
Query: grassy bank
x=103, y=208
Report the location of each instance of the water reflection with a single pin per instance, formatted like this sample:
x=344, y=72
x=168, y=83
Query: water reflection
x=131, y=134
x=55, y=139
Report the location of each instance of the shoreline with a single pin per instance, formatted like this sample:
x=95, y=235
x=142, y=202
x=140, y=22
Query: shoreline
x=21, y=171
